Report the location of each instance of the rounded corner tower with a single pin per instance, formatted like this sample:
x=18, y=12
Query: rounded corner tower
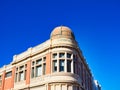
x=62, y=36
x=62, y=32
x=64, y=54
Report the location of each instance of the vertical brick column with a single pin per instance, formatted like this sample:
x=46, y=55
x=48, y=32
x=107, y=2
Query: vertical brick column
x=13, y=77
x=48, y=63
x=3, y=80
x=28, y=72
x=49, y=87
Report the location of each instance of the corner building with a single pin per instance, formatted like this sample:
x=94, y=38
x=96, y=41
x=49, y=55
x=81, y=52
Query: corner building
x=56, y=64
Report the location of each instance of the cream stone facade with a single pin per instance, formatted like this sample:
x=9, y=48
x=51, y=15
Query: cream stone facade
x=56, y=64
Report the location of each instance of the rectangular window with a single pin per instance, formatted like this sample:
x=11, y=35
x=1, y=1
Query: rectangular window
x=32, y=75
x=25, y=74
x=78, y=88
x=44, y=68
x=39, y=61
x=33, y=63
x=61, y=55
x=74, y=58
x=16, y=75
x=38, y=70
x=68, y=66
x=55, y=55
x=61, y=62
x=44, y=59
x=21, y=67
x=21, y=77
x=74, y=66
x=8, y=74
x=68, y=55
x=54, y=65
x=0, y=79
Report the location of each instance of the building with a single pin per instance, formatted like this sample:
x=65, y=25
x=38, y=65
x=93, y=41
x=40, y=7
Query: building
x=96, y=85
x=56, y=64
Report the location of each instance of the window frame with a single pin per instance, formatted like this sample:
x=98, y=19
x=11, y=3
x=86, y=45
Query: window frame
x=8, y=74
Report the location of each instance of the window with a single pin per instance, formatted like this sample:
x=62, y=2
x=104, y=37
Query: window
x=75, y=87
x=44, y=59
x=39, y=67
x=68, y=55
x=74, y=58
x=61, y=55
x=61, y=62
x=74, y=66
x=21, y=76
x=55, y=55
x=21, y=67
x=33, y=63
x=39, y=61
x=17, y=69
x=16, y=75
x=68, y=66
x=78, y=88
x=44, y=68
x=32, y=73
x=8, y=74
x=0, y=79
x=38, y=70
x=54, y=65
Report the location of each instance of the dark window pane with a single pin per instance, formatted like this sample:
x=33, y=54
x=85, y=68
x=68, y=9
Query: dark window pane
x=74, y=66
x=39, y=61
x=62, y=55
x=44, y=58
x=68, y=66
x=32, y=74
x=61, y=62
x=44, y=69
x=54, y=65
x=0, y=79
x=21, y=67
x=68, y=55
x=8, y=74
x=55, y=55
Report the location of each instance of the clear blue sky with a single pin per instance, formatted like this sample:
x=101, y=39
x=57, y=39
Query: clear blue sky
x=95, y=23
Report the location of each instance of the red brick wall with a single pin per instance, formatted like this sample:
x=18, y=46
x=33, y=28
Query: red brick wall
x=3, y=80
x=48, y=63
x=13, y=77
x=28, y=72
x=8, y=84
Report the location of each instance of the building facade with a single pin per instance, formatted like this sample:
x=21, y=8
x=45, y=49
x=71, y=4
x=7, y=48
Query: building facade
x=56, y=64
x=96, y=85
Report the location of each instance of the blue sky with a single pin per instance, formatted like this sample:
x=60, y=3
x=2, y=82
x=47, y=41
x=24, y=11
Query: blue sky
x=95, y=23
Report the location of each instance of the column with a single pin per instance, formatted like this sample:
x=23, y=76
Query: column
x=3, y=80
x=28, y=72
x=13, y=76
